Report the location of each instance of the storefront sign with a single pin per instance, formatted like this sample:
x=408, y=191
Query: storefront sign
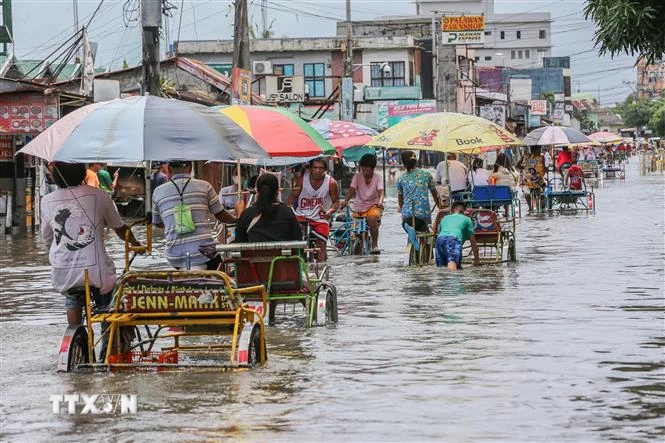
x=463, y=30
x=6, y=148
x=285, y=89
x=27, y=113
x=558, y=115
x=538, y=107
x=393, y=112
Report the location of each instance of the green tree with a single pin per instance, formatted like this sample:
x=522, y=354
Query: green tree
x=657, y=121
x=633, y=27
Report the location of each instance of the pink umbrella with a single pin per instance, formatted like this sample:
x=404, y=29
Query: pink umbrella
x=605, y=137
x=342, y=134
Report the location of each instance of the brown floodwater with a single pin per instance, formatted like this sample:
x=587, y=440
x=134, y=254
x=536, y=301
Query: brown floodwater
x=564, y=345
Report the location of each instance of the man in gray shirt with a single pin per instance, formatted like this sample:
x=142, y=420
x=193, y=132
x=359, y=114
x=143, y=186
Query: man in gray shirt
x=182, y=249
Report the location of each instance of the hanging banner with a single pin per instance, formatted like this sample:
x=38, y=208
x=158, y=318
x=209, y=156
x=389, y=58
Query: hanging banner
x=538, y=107
x=463, y=29
x=393, y=112
x=494, y=113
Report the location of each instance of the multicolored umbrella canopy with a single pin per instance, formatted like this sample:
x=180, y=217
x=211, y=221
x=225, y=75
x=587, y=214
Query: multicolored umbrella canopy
x=605, y=137
x=279, y=132
x=142, y=128
x=446, y=132
x=555, y=135
x=343, y=134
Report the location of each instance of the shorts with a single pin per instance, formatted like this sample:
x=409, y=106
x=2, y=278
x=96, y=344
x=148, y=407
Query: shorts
x=373, y=211
x=320, y=229
x=75, y=298
x=448, y=249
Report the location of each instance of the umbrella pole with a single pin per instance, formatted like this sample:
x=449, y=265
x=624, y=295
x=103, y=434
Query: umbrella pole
x=384, y=170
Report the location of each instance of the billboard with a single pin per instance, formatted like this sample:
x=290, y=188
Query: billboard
x=6, y=148
x=392, y=112
x=494, y=113
x=285, y=89
x=463, y=29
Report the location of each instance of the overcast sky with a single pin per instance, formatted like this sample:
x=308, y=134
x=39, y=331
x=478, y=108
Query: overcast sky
x=41, y=26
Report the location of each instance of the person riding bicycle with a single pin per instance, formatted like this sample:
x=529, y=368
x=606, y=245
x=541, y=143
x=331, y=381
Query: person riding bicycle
x=412, y=198
x=367, y=191
x=534, y=175
x=317, y=197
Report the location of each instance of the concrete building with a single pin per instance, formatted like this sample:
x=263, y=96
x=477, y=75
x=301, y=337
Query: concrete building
x=384, y=67
x=650, y=79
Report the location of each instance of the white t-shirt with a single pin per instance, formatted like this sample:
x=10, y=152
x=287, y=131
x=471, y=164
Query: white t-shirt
x=457, y=172
x=73, y=221
x=480, y=177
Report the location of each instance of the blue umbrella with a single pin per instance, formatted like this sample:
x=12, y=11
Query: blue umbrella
x=143, y=128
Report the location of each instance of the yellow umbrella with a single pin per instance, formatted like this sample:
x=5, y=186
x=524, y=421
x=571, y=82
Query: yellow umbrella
x=446, y=132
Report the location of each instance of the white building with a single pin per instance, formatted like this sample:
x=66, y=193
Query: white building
x=518, y=40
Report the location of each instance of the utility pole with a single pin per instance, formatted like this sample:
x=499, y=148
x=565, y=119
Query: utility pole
x=241, y=36
x=264, y=17
x=435, y=58
x=151, y=21
x=348, y=71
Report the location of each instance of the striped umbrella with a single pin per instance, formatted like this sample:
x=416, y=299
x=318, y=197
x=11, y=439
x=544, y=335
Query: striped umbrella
x=343, y=134
x=279, y=132
x=555, y=135
x=142, y=128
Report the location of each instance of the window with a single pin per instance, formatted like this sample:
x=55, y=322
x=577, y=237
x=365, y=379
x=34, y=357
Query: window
x=285, y=70
x=488, y=58
x=519, y=54
x=488, y=32
x=541, y=34
x=382, y=76
x=527, y=54
x=512, y=55
x=477, y=58
x=519, y=35
x=315, y=79
x=503, y=35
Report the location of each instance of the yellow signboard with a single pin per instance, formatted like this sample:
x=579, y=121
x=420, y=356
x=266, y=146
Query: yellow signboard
x=462, y=23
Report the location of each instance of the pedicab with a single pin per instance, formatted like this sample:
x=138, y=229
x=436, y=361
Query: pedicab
x=559, y=197
x=351, y=236
x=443, y=132
x=281, y=269
x=187, y=318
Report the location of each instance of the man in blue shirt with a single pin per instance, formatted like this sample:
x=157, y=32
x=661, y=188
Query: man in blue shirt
x=455, y=229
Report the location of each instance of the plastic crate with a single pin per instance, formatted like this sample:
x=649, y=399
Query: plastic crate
x=145, y=358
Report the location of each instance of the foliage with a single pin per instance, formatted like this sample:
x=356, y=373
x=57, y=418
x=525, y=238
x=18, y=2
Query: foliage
x=657, y=121
x=637, y=113
x=629, y=26
x=254, y=31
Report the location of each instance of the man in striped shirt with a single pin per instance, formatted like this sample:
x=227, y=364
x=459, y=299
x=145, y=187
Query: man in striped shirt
x=182, y=250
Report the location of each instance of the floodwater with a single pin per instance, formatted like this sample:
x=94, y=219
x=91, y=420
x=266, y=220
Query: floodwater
x=565, y=345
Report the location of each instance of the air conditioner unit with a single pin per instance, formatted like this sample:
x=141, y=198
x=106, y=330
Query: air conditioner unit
x=262, y=68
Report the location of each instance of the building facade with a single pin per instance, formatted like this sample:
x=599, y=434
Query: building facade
x=650, y=79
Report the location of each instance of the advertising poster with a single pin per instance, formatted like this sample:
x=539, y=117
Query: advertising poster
x=538, y=107
x=242, y=86
x=6, y=148
x=392, y=112
x=494, y=113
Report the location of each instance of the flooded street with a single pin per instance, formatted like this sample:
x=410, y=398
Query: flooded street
x=565, y=345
